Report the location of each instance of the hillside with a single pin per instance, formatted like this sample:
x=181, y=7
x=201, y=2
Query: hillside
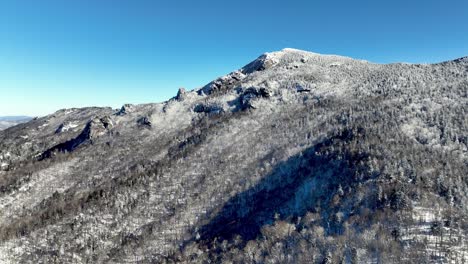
x=297, y=157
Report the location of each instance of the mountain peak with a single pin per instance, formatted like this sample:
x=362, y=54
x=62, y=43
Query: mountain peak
x=293, y=51
x=321, y=153
x=287, y=61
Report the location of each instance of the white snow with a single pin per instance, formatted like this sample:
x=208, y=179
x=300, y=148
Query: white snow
x=41, y=185
x=417, y=129
x=43, y=125
x=69, y=126
x=420, y=232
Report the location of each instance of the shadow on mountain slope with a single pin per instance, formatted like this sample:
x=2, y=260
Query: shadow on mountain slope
x=302, y=183
x=93, y=129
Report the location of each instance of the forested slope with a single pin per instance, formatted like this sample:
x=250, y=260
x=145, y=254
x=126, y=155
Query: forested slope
x=296, y=158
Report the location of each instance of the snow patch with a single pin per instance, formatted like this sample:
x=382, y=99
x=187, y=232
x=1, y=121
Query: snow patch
x=67, y=127
x=421, y=132
x=43, y=125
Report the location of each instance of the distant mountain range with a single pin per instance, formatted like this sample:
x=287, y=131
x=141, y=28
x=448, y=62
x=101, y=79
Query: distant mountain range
x=297, y=157
x=9, y=121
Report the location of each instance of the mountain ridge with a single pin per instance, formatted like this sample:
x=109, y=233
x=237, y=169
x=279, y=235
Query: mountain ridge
x=294, y=158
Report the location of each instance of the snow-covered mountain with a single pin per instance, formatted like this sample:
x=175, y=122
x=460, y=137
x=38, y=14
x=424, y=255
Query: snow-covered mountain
x=9, y=121
x=295, y=158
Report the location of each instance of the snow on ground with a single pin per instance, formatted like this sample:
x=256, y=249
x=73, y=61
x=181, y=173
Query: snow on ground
x=69, y=126
x=33, y=192
x=449, y=246
x=421, y=132
x=6, y=251
x=43, y=126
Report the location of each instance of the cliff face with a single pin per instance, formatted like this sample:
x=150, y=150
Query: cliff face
x=296, y=158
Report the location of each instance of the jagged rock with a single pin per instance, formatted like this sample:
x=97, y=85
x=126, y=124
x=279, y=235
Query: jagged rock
x=125, y=109
x=462, y=60
x=223, y=84
x=246, y=100
x=181, y=94
x=209, y=109
x=93, y=129
x=107, y=122
x=301, y=89
x=252, y=94
x=327, y=259
x=264, y=62
x=144, y=121
x=59, y=129
x=64, y=127
x=265, y=92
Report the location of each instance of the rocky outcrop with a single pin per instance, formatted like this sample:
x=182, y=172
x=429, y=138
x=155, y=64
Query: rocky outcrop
x=125, y=109
x=107, y=122
x=264, y=62
x=462, y=60
x=181, y=94
x=230, y=81
x=224, y=83
x=59, y=129
x=209, y=109
x=95, y=128
x=302, y=89
x=251, y=94
x=64, y=127
x=144, y=121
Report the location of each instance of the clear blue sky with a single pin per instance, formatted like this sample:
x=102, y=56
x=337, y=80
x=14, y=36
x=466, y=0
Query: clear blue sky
x=56, y=53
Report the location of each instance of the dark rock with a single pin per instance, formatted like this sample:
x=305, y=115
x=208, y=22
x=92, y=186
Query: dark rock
x=59, y=129
x=251, y=94
x=125, y=109
x=262, y=63
x=246, y=100
x=144, y=121
x=208, y=109
x=181, y=94
x=462, y=60
x=301, y=89
x=224, y=83
x=107, y=122
x=265, y=92
x=94, y=128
